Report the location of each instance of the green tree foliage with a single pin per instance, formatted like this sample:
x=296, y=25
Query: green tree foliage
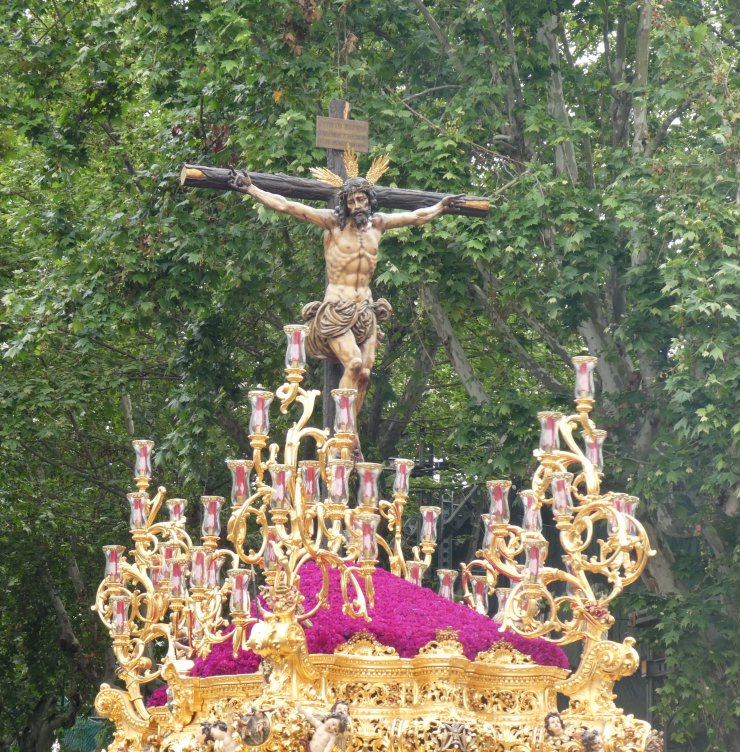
x=606, y=136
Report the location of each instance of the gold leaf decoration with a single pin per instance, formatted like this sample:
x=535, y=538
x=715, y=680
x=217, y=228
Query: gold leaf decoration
x=323, y=175
x=378, y=168
x=351, y=164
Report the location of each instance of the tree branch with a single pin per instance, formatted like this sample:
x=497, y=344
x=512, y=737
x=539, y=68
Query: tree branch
x=108, y=130
x=493, y=287
x=662, y=131
x=67, y=637
x=128, y=415
x=455, y=352
x=565, y=153
x=430, y=90
x=640, y=139
x=434, y=26
x=497, y=138
x=405, y=407
x=511, y=341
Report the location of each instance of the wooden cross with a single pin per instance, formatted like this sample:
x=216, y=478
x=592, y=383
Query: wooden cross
x=201, y=176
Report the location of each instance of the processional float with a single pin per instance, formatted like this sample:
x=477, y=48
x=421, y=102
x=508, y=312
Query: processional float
x=167, y=605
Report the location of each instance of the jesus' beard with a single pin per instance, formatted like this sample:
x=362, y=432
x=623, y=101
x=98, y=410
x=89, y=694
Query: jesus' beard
x=361, y=217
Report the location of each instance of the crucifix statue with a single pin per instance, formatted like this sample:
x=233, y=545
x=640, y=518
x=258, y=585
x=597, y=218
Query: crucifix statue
x=344, y=326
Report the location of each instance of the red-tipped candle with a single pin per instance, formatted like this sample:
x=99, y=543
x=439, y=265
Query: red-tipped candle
x=344, y=410
x=447, y=579
x=429, y=516
x=143, y=449
x=560, y=488
x=498, y=495
x=310, y=481
x=549, y=434
x=295, y=353
x=211, y=527
x=259, y=420
x=403, y=476
x=584, y=367
x=415, y=572
x=532, y=521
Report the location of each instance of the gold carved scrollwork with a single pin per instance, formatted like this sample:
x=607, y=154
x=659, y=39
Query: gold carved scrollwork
x=370, y=736
x=432, y=735
x=370, y=694
x=503, y=652
x=602, y=664
x=629, y=734
x=364, y=643
x=440, y=691
x=445, y=643
x=515, y=739
x=116, y=706
x=492, y=701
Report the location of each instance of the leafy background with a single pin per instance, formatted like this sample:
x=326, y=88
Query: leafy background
x=605, y=135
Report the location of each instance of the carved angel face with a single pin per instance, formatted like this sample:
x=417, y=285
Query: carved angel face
x=554, y=725
x=332, y=726
x=341, y=707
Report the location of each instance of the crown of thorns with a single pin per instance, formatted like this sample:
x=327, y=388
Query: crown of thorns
x=377, y=170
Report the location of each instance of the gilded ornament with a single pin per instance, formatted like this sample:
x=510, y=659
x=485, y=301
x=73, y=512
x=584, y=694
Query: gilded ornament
x=364, y=643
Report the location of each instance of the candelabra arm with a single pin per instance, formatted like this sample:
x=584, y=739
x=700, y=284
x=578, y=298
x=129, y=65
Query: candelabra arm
x=258, y=444
x=287, y=394
x=358, y=606
x=116, y=705
x=427, y=551
x=501, y=554
x=383, y=543
x=236, y=529
x=156, y=505
x=320, y=436
x=566, y=425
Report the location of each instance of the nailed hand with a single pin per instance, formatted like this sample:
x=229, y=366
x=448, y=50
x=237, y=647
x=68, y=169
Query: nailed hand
x=454, y=202
x=239, y=181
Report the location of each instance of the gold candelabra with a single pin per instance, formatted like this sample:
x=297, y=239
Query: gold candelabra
x=168, y=591
x=164, y=601
x=605, y=546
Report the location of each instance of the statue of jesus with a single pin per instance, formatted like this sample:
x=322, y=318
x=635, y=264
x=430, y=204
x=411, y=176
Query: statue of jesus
x=344, y=325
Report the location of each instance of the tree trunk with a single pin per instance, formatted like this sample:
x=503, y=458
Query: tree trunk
x=565, y=153
x=396, y=424
x=452, y=345
x=38, y=735
x=640, y=138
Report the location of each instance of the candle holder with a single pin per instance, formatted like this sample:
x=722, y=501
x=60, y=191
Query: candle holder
x=562, y=604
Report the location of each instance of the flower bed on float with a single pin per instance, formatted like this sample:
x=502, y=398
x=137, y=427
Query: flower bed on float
x=405, y=617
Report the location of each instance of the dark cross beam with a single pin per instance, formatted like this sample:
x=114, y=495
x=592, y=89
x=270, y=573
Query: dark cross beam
x=200, y=176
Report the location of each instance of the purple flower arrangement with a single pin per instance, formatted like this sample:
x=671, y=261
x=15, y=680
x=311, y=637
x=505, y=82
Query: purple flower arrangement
x=157, y=698
x=405, y=617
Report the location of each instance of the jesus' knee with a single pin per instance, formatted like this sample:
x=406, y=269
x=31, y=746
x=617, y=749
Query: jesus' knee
x=354, y=369
x=363, y=378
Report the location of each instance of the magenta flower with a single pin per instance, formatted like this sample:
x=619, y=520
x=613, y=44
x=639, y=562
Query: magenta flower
x=405, y=617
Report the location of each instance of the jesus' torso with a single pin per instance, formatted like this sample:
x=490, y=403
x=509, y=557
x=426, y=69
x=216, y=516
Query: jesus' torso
x=351, y=255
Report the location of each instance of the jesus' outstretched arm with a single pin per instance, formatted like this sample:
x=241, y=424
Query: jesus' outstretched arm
x=418, y=217
x=325, y=218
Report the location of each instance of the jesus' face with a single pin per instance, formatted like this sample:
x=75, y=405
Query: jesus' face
x=358, y=207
